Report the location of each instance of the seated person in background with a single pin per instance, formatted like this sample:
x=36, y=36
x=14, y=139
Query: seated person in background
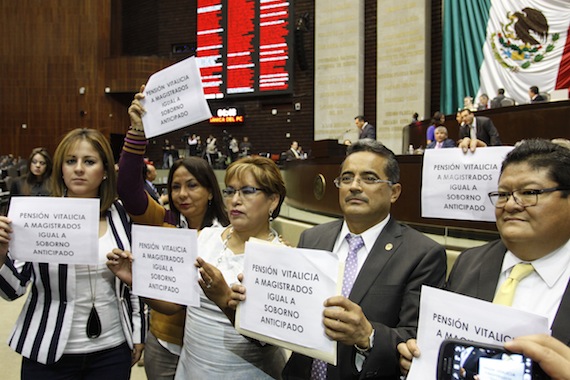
x=477, y=131
x=441, y=140
x=437, y=120
x=496, y=101
x=532, y=210
x=36, y=180
x=149, y=175
x=534, y=95
x=483, y=102
x=293, y=152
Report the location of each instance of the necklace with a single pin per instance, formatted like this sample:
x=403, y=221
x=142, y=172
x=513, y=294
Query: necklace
x=93, y=328
x=270, y=237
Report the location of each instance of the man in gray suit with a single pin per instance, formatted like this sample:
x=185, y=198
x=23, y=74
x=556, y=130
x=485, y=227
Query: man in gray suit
x=381, y=310
x=365, y=129
x=532, y=210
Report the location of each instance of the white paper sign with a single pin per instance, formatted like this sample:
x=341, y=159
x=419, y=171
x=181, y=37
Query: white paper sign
x=497, y=369
x=286, y=288
x=445, y=314
x=163, y=265
x=455, y=185
x=174, y=99
x=55, y=230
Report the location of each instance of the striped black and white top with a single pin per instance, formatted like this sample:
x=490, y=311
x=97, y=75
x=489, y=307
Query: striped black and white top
x=43, y=327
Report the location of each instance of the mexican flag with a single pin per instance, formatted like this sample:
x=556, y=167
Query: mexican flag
x=510, y=44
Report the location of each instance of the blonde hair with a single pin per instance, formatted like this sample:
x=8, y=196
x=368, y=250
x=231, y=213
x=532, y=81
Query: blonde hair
x=107, y=188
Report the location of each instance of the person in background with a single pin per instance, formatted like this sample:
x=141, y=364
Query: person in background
x=166, y=155
x=477, y=131
x=234, y=149
x=496, y=101
x=245, y=147
x=149, y=175
x=293, y=152
x=79, y=321
x=484, y=103
x=365, y=129
x=437, y=120
x=36, y=180
x=534, y=95
x=211, y=150
x=212, y=347
x=193, y=145
x=532, y=210
x=196, y=202
x=441, y=140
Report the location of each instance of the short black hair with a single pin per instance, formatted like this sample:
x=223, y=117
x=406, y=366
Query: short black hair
x=392, y=168
x=543, y=154
x=501, y=91
x=534, y=89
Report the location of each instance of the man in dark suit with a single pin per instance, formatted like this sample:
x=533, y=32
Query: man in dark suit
x=477, y=131
x=394, y=262
x=365, y=129
x=496, y=101
x=532, y=210
x=441, y=140
x=293, y=153
x=149, y=175
x=534, y=95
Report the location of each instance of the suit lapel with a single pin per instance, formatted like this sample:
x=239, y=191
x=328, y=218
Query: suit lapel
x=489, y=276
x=560, y=326
x=384, y=249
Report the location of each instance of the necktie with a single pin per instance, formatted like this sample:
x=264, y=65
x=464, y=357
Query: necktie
x=355, y=242
x=506, y=292
x=472, y=133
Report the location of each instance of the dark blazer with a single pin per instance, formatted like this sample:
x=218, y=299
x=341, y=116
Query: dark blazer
x=290, y=156
x=151, y=191
x=387, y=289
x=367, y=132
x=486, y=131
x=538, y=98
x=496, y=101
x=476, y=273
x=447, y=143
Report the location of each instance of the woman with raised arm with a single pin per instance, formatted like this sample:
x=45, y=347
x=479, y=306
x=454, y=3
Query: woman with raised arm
x=80, y=321
x=195, y=202
x=212, y=347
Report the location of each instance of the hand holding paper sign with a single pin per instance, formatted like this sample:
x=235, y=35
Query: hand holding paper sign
x=346, y=323
x=136, y=110
x=408, y=351
x=5, y=231
x=120, y=263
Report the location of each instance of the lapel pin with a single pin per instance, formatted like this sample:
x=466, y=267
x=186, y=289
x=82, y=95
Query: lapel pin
x=389, y=247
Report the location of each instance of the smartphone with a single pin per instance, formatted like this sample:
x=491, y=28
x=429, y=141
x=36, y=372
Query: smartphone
x=466, y=360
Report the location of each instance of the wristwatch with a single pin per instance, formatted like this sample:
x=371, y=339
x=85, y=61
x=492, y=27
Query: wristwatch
x=365, y=351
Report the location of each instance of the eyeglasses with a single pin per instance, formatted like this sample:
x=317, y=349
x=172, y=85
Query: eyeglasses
x=245, y=192
x=523, y=197
x=348, y=179
x=41, y=163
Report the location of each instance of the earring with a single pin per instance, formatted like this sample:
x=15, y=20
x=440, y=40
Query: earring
x=104, y=177
x=270, y=215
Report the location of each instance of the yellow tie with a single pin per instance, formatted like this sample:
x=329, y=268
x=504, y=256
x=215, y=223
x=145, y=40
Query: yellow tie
x=506, y=292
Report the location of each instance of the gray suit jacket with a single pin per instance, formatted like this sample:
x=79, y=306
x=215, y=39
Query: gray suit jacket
x=387, y=289
x=476, y=273
x=367, y=132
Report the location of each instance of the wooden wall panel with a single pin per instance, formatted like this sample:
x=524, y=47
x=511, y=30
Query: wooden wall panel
x=49, y=49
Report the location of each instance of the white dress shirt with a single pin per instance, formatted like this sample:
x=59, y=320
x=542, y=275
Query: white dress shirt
x=542, y=290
